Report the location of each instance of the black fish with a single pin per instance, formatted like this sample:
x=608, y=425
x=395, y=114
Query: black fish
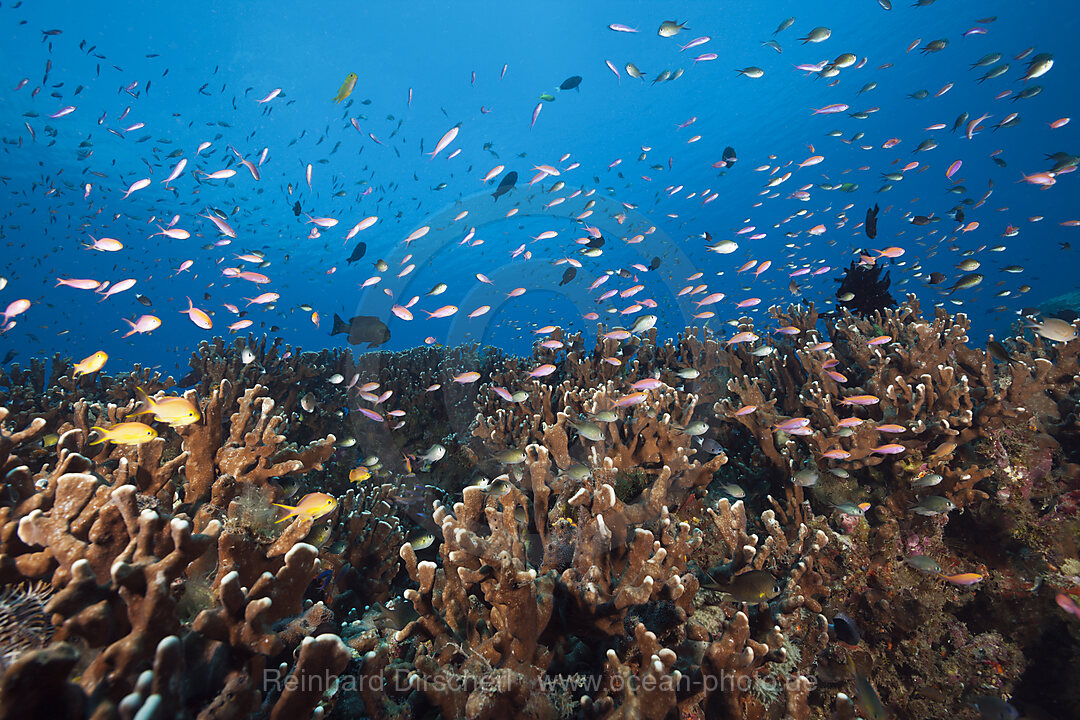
x=358, y=252
x=729, y=156
x=571, y=83
x=845, y=629
x=920, y=220
x=144, y=300
x=998, y=351
x=362, y=328
x=400, y=614
x=296, y=208
x=655, y=263
x=9, y=356
x=505, y=184
x=871, y=222
x=936, y=278
x=191, y=378
x=570, y=274
x=595, y=242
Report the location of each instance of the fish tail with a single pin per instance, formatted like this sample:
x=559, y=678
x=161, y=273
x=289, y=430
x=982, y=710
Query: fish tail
x=340, y=326
x=290, y=508
x=104, y=435
x=146, y=405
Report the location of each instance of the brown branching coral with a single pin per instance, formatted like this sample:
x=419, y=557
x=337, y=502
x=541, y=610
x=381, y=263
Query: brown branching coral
x=252, y=452
x=584, y=570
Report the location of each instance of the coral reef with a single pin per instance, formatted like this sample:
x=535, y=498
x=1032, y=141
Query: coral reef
x=636, y=529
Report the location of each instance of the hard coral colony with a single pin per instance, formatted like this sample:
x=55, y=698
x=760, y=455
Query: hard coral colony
x=831, y=510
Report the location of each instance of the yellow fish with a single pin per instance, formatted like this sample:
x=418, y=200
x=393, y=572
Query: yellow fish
x=176, y=411
x=346, y=87
x=91, y=364
x=312, y=505
x=359, y=475
x=125, y=433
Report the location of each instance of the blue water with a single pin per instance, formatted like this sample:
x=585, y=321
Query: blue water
x=237, y=55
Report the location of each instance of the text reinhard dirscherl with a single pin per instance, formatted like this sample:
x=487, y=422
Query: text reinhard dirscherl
x=399, y=682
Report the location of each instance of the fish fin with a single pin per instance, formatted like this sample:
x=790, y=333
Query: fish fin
x=290, y=508
x=146, y=404
x=104, y=434
x=340, y=326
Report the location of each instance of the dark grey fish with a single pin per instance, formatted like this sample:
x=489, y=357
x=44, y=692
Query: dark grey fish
x=361, y=329
x=998, y=351
x=398, y=614
x=871, y=222
x=570, y=274
x=571, y=83
x=994, y=708
x=358, y=252
x=505, y=185
x=845, y=629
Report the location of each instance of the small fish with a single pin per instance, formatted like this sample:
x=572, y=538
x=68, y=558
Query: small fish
x=733, y=490
x=1055, y=329
x=498, y=488
x=924, y=563
x=994, y=708
x=866, y=696
x=125, y=433
x=962, y=578
x=90, y=364
x=346, y=88
x=845, y=629
x=818, y=34
x=577, y=472
x=709, y=445
x=434, y=454
x=421, y=539
x=933, y=505
x=929, y=480
x=512, y=456
x=1068, y=604
x=751, y=587
x=176, y=411
x=670, y=28
x=589, y=431
x=784, y=25
x=312, y=505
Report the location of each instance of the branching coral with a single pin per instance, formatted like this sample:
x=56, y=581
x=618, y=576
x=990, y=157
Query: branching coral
x=586, y=553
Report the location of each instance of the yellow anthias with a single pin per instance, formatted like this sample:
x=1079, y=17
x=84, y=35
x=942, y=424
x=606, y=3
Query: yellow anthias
x=312, y=505
x=125, y=433
x=346, y=88
x=91, y=364
x=176, y=411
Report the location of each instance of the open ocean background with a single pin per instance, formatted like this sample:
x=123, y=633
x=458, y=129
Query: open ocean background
x=239, y=52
